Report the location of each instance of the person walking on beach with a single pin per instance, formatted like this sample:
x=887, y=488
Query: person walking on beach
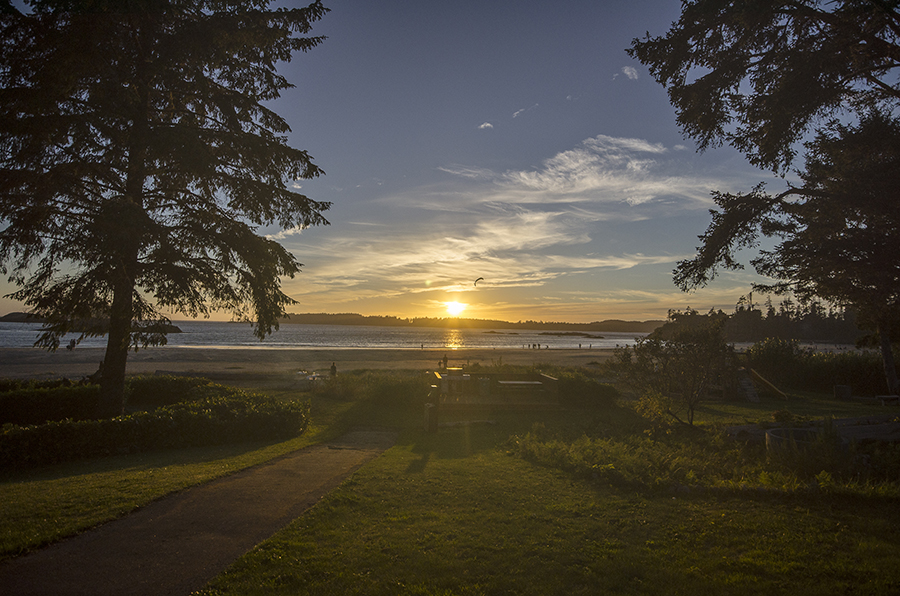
x=333, y=370
x=445, y=361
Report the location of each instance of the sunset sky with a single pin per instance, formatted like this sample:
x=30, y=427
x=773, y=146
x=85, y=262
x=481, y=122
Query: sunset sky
x=510, y=140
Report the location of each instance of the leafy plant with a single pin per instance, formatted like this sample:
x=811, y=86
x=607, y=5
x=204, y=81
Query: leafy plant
x=36, y=405
x=222, y=415
x=681, y=367
x=786, y=364
x=153, y=391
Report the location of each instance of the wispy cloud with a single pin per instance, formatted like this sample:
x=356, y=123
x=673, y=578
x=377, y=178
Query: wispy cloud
x=518, y=113
x=630, y=72
x=485, y=126
x=557, y=228
x=285, y=233
x=601, y=170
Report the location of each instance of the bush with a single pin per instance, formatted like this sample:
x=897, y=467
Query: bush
x=14, y=384
x=162, y=390
x=228, y=416
x=578, y=390
x=708, y=461
x=775, y=359
x=27, y=402
x=788, y=366
x=35, y=405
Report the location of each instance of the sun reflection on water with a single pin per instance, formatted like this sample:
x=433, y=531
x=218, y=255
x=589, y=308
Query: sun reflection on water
x=453, y=339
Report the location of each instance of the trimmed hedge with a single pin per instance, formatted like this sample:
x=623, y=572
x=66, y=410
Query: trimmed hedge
x=163, y=390
x=36, y=402
x=26, y=405
x=231, y=416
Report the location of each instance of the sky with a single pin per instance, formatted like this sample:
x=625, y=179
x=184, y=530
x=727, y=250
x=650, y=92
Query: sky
x=513, y=141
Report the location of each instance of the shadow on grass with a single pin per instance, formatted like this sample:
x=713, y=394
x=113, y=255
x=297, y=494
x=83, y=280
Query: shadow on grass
x=149, y=460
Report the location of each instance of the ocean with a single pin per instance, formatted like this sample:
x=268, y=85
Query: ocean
x=209, y=334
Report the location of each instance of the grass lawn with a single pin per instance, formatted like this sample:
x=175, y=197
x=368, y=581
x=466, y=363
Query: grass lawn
x=460, y=512
x=456, y=514
x=44, y=505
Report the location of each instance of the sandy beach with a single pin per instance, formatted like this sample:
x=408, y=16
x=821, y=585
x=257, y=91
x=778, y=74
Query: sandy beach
x=223, y=363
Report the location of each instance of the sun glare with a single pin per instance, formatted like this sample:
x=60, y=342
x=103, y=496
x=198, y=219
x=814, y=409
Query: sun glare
x=455, y=308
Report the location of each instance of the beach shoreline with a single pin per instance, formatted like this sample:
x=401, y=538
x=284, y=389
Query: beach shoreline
x=34, y=363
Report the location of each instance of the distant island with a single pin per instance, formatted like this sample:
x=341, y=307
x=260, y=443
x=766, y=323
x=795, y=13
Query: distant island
x=608, y=326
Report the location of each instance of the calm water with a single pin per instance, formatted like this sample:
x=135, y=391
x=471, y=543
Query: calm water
x=237, y=335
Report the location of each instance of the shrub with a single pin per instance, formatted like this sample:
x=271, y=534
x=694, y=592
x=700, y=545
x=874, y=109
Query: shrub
x=35, y=405
x=14, y=384
x=705, y=459
x=681, y=367
x=229, y=416
x=163, y=390
x=775, y=359
x=788, y=366
x=578, y=390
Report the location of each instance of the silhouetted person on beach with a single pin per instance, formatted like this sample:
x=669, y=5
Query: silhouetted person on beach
x=444, y=360
x=333, y=370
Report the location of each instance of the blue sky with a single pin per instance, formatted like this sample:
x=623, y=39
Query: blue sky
x=514, y=141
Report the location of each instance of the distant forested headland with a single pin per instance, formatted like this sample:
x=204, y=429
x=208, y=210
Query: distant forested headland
x=609, y=326
x=804, y=321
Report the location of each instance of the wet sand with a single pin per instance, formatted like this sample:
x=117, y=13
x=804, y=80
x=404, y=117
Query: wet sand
x=81, y=362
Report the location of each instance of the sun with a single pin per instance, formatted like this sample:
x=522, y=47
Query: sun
x=455, y=308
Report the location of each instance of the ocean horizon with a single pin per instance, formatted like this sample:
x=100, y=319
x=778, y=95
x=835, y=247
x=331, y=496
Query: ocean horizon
x=225, y=335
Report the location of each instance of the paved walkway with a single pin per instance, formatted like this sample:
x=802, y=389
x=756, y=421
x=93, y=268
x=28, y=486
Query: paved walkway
x=179, y=543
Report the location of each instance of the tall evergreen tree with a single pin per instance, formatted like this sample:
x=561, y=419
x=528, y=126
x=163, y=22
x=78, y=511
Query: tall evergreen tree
x=836, y=234
x=139, y=160
x=760, y=74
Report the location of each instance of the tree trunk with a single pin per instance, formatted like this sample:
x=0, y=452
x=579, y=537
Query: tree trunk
x=112, y=380
x=125, y=226
x=887, y=357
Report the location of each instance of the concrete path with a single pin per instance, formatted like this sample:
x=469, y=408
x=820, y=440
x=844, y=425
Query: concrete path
x=179, y=543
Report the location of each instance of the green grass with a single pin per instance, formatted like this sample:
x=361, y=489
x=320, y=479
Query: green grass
x=54, y=502
x=50, y=503
x=456, y=514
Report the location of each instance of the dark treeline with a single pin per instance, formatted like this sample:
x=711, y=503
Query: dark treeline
x=750, y=322
x=610, y=326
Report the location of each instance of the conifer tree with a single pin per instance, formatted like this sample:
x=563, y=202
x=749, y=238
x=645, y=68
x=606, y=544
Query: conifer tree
x=760, y=74
x=139, y=159
x=763, y=76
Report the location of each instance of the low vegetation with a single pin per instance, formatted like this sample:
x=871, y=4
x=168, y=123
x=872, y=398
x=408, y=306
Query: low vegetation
x=788, y=365
x=204, y=413
x=590, y=498
x=594, y=499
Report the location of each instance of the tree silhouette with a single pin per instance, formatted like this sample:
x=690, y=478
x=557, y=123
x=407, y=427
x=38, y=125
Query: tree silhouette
x=139, y=160
x=837, y=233
x=760, y=74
